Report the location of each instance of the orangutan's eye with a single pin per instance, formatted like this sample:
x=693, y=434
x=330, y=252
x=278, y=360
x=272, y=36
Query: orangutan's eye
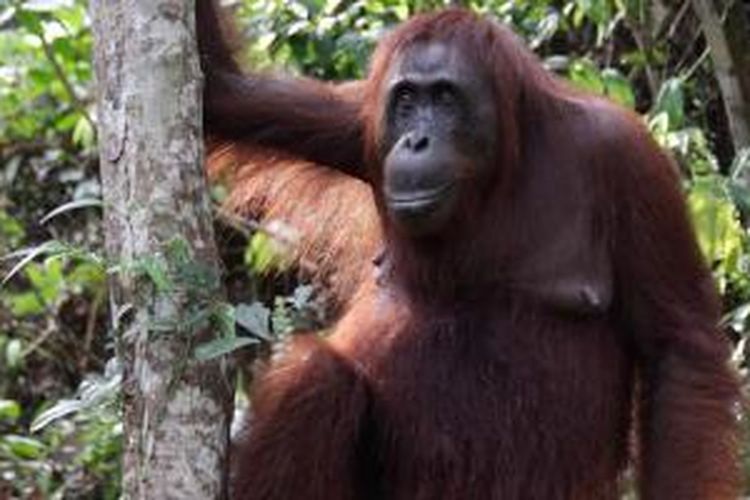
x=444, y=94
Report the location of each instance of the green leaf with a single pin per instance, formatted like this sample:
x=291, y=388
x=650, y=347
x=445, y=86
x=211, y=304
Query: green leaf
x=30, y=21
x=222, y=346
x=223, y=315
x=264, y=254
x=74, y=18
x=156, y=269
x=618, y=88
x=671, y=100
x=584, y=74
x=9, y=409
x=63, y=49
x=719, y=231
x=200, y=279
x=67, y=121
x=25, y=304
x=83, y=133
x=11, y=232
x=88, y=275
x=23, y=447
x=178, y=251
x=47, y=279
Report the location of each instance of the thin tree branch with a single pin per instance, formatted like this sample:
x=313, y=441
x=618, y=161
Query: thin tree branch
x=60, y=73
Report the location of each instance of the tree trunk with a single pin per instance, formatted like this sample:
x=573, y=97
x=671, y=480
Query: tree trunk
x=728, y=36
x=158, y=227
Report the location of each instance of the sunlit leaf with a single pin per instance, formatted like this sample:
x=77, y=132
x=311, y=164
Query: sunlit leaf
x=9, y=410
x=47, y=279
x=47, y=5
x=719, y=231
x=23, y=447
x=264, y=254
x=585, y=75
x=25, y=304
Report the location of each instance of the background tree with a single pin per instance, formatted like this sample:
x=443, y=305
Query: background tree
x=727, y=30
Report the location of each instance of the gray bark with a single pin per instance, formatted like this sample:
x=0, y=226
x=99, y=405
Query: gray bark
x=729, y=42
x=176, y=410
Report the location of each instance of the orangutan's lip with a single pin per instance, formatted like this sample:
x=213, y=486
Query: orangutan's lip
x=418, y=199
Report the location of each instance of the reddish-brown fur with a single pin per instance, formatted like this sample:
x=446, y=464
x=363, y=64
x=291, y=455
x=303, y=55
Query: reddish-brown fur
x=472, y=370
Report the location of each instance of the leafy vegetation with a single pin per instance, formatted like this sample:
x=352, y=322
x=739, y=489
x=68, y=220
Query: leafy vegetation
x=59, y=425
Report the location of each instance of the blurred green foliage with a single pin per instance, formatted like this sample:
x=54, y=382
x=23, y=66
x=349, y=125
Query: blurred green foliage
x=54, y=372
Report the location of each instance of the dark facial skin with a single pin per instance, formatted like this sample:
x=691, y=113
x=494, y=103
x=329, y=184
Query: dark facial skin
x=439, y=134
